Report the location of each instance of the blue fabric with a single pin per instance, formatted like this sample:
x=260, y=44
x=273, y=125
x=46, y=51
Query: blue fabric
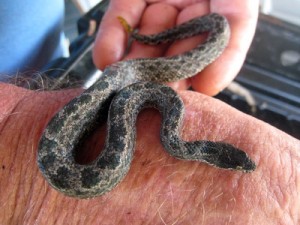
x=31, y=34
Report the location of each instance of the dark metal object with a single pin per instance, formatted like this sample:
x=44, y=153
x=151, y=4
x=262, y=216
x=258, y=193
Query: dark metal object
x=272, y=75
x=79, y=66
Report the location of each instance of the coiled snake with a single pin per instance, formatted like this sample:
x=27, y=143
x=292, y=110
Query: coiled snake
x=127, y=87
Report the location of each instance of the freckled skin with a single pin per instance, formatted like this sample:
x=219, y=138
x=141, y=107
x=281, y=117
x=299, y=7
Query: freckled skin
x=124, y=89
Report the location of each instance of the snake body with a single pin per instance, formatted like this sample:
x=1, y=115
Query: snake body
x=124, y=89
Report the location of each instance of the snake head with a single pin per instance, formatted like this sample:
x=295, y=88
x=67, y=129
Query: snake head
x=227, y=156
x=219, y=154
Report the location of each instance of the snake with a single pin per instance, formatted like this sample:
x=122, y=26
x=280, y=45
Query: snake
x=124, y=89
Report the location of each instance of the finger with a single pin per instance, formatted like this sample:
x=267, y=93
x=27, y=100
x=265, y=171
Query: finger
x=111, y=39
x=151, y=24
x=181, y=46
x=242, y=17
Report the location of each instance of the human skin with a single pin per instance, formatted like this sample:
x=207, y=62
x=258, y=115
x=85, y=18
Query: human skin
x=158, y=189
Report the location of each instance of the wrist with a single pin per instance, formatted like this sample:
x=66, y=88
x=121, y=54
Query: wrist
x=23, y=116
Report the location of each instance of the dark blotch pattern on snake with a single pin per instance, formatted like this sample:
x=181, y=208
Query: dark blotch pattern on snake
x=134, y=83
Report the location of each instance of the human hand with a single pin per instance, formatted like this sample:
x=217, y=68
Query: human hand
x=153, y=16
x=158, y=188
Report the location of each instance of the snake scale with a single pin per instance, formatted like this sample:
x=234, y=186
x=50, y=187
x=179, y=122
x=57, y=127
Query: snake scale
x=124, y=89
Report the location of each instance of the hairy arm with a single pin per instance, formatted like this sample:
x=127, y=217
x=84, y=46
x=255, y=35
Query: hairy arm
x=158, y=188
